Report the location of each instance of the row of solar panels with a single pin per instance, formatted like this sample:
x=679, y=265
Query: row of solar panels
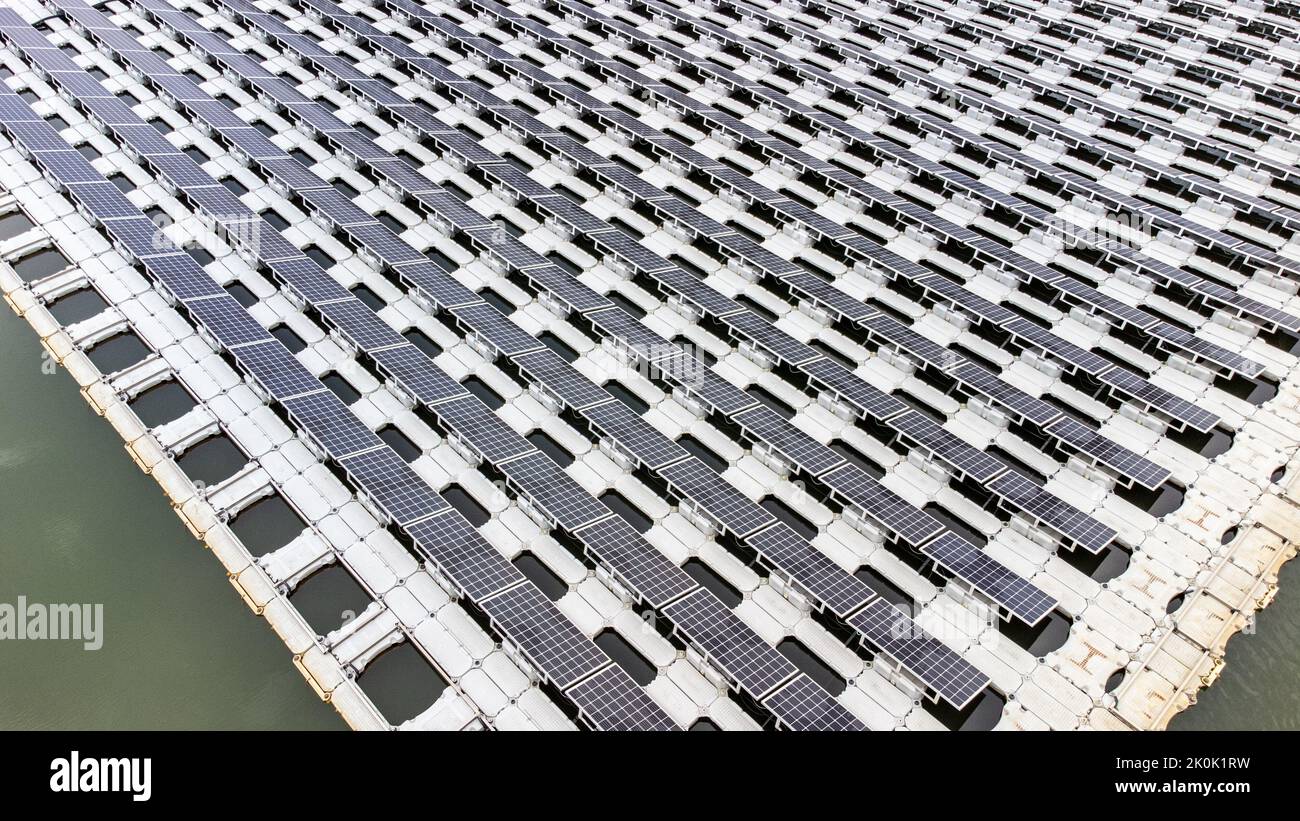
x=1167, y=95
x=693, y=480
x=1118, y=253
x=1133, y=120
x=860, y=248
x=604, y=320
x=1131, y=467
x=1201, y=77
x=609, y=539
x=1283, y=218
x=604, y=694
x=1165, y=21
x=1210, y=74
x=1171, y=22
x=1265, y=215
x=376, y=84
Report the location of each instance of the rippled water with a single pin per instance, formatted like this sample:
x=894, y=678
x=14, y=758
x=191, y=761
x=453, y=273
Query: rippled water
x=80, y=523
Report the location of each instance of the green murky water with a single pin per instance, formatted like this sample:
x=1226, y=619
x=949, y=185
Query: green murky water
x=79, y=523
x=1257, y=690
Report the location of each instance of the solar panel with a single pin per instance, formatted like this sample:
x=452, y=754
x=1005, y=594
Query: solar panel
x=785, y=347
x=824, y=295
x=990, y=577
x=967, y=460
x=721, y=636
x=141, y=237
x=504, y=335
x=908, y=341
x=383, y=243
x=954, y=679
x=13, y=111
x=1021, y=405
x=560, y=378
x=337, y=207
x=1200, y=349
x=871, y=402
x=224, y=207
x=785, y=549
x=442, y=289
x=1105, y=452
x=463, y=555
x=181, y=275
x=891, y=510
x=950, y=292
x=215, y=114
x=143, y=139
x=253, y=143
x=633, y=433
x=227, y=320
x=645, y=570
x=331, y=423
x=276, y=369
x=358, y=323
x=494, y=242
x=360, y=147
x=307, y=278
x=412, y=370
x=104, y=200
x=611, y=700
x=801, y=449
x=1160, y=399
x=731, y=508
x=391, y=483
x=181, y=170
x=617, y=323
x=553, y=645
x=493, y=438
x=554, y=491
x=634, y=254
x=685, y=286
x=1072, y=356
x=1076, y=526
x=802, y=706
x=406, y=178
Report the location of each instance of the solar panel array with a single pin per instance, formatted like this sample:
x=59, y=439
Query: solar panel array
x=769, y=334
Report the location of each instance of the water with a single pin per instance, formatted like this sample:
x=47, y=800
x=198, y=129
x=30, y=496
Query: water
x=1256, y=690
x=80, y=523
